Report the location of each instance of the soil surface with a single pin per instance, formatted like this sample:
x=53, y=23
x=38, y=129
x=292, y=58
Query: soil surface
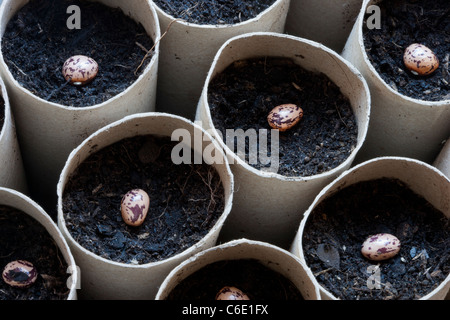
x=214, y=12
x=242, y=96
x=185, y=201
x=404, y=22
x=253, y=278
x=339, y=225
x=23, y=238
x=37, y=42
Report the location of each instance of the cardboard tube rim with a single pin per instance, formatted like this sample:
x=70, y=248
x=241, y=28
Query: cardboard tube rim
x=147, y=70
x=297, y=246
x=442, y=161
x=8, y=120
x=44, y=219
x=219, y=26
x=376, y=77
x=168, y=281
x=74, y=156
x=312, y=43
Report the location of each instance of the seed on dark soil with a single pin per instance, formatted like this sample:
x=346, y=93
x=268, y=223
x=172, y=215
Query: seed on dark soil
x=258, y=281
x=37, y=42
x=404, y=22
x=243, y=94
x=186, y=202
x=345, y=219
x=23, y=238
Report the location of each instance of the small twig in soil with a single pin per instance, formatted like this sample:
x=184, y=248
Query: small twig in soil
x=20, y=70
x=296, y=86
x=7, y=255
x=398, y=46
x=322, y=272
x=188, y=10
x=208, y=183
x=340, y=117
x=142, y=47
x=154, y=45
x=122, y=66
x=57, y=90
x=128, y=155
x=185, y=182
x=165, y=209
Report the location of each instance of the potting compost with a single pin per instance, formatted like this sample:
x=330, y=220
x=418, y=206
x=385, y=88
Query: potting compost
x=339, y=225
x=185, y=201
x=242, y=96
x=37, y=42
x=402, y=24
x=23, y=238
x=256, y=280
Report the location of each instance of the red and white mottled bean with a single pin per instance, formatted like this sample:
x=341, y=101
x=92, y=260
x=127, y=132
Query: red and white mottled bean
x=19, y=274
x=381, y=246
x=134, y=207
x=420, y=60
x=80, y=70
x=231, y=293
x=284, y=117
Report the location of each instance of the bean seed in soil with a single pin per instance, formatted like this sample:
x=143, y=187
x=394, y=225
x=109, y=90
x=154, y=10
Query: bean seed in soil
x=243, y=94
x=23, y=238
x=404, y=22
x=36, y=42
x=186, y=201
x=345, y=219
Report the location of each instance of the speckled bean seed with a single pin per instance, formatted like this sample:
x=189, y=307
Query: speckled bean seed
x=134, y=207
x=420, y=60
x=231, y=293
x=285, y=116
x=19, y=274
x=380, y=246
x=80, y=70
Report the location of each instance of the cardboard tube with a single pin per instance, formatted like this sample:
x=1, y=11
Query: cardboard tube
x=106, y=279
x=420, y=177
x=48, y=132
x=12, y=173
x=399, y=125
x=442, y=161
x=268, y=206
x=286, y=264
x=19, y=201
x=188, y=49
x=326, y=21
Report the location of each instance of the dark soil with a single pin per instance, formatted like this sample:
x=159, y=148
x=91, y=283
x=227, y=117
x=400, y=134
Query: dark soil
x=214, y=12
x=185, y=201
x=253, y=278
x=23, y=238
x=242, y=96
x=404, y=22
x=37, y=42
x=342, y=222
